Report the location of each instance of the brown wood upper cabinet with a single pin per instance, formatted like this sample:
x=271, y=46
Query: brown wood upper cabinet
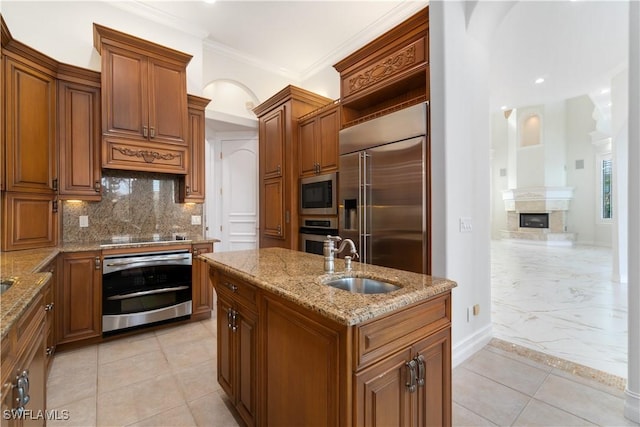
x=387, y=74
x=79, y=134
x=278, y=147
x=30, y=126
x=318, y=139
x=191, y=188
x=144, y=104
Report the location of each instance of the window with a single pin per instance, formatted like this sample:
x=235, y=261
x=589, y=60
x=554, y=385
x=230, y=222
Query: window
x=605, y=189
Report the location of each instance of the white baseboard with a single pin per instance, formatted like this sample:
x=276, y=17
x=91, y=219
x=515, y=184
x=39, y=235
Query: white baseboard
x=632, y=406
x=470, y=345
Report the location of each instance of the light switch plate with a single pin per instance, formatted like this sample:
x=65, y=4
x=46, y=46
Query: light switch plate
x=84, y=221
x=196, y=220
x=466, y=225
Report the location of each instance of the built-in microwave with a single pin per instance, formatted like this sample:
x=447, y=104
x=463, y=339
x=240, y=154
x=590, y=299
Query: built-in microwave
x=318, y=195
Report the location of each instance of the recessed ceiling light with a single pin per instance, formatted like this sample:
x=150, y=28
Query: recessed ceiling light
x=539, y=80
x=605, y=91
x=504, y=107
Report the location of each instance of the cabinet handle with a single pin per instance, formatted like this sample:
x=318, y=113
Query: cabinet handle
x=145, y=132
x=234, y=318
x=48, y=307
x=196, y=252
x=278, y=169
x=54, y=206
x=279, y=229
x=421, y=369
x=188, y=190
x=231, y=287
x=317, y=167
x=153, y=132
x=55, y=184
x=411, y=374
x=98, y=263
x=229, y=318
x=22, y=388
x=97, y=187
x=50, y=350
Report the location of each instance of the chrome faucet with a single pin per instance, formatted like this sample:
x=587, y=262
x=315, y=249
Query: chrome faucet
x=330, y=251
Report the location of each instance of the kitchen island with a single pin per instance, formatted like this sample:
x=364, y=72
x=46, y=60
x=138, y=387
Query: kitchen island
x=293, y=350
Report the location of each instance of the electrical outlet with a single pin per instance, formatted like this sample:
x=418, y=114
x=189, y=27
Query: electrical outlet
x=84, y=221
x=466, y=225
x=476, y=309
x=196, y=220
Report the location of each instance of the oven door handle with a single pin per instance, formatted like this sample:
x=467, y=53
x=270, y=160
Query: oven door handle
x=148, y=259
x=151, y=292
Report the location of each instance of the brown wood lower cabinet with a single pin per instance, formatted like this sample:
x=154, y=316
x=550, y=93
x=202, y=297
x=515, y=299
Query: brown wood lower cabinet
x=202, y=296
x=237, y=346
x=24, y=367
x=284, y=364
x=78, y=308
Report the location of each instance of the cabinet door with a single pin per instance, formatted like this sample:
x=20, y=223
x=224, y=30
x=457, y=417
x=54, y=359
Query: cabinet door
x=382, y=397
x=273, y=209
x=192, y=186
x=79, y=131
x=328, y=128
x=124, y=93
x=30, y=127
x=79, y=304
x=272, y=140
x=35, y=365
x=246, y=338
x=167, y=102
x=30, y=221
x=202, y=291
x=434, y=398
x=225, y=349
x=307, y=147
x=300, y=367
x=49, y=308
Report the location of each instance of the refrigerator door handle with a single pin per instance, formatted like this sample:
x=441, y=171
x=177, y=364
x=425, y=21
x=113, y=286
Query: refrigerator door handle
x=360, y=208
x=366, y=208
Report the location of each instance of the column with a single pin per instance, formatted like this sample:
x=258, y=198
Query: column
x=632, y=392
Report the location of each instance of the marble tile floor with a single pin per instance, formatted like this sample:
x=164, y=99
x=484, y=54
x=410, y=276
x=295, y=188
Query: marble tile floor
x=560, y=301
x=168, y=378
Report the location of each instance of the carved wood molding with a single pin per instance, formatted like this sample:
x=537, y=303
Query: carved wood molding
x=382, y=70
x=147, y=156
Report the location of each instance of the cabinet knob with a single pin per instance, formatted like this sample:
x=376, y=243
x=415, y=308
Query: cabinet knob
x=188, y=190
x=153, y=132
x=231, y=286
x=48, y=307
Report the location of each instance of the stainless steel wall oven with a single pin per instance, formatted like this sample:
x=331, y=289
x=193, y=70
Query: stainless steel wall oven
x=314, y=232
x=144, y=288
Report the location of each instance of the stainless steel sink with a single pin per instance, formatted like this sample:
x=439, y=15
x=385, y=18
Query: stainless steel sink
x=5, y=285
x=362, y=285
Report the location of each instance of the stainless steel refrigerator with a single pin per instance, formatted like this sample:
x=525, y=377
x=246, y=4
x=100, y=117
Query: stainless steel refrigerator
x=383, y=190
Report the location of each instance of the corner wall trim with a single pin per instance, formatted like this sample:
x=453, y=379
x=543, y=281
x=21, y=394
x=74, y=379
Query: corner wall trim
x=472, y=344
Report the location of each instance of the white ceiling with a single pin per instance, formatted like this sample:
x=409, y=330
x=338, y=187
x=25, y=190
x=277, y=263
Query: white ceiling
x=577, y=46
x=293, y=38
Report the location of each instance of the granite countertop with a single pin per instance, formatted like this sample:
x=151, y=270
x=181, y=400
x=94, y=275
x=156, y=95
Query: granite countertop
x=299, y=277
x=23, y=269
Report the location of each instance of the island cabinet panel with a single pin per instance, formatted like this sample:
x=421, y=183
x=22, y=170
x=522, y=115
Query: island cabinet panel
x=144, y=104
x=202, y=297
x=237, y=330
x=79, y=297
x=300, y=358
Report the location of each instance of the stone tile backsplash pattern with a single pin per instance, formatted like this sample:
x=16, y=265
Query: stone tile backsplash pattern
x=139, y=204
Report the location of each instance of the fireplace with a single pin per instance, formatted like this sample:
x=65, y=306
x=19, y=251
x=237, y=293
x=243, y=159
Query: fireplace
x=538, y=214
x=534, y=220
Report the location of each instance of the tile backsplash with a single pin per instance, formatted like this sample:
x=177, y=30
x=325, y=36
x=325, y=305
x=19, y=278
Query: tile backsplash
x=138, y=204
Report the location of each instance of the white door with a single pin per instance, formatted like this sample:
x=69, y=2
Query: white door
x=238, y=195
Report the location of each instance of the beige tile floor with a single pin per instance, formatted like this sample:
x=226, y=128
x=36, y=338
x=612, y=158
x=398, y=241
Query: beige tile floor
x=168, y=378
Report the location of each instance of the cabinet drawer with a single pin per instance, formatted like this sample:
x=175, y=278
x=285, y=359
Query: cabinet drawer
x=385, y=335
x=31, y=319
x=236, y=289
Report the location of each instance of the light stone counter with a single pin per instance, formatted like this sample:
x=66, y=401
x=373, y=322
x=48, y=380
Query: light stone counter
x=299, y=276
x=23, y=269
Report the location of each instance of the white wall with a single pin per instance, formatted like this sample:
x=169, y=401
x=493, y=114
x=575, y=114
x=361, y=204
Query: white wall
x=460, y=177
x=499, y=160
